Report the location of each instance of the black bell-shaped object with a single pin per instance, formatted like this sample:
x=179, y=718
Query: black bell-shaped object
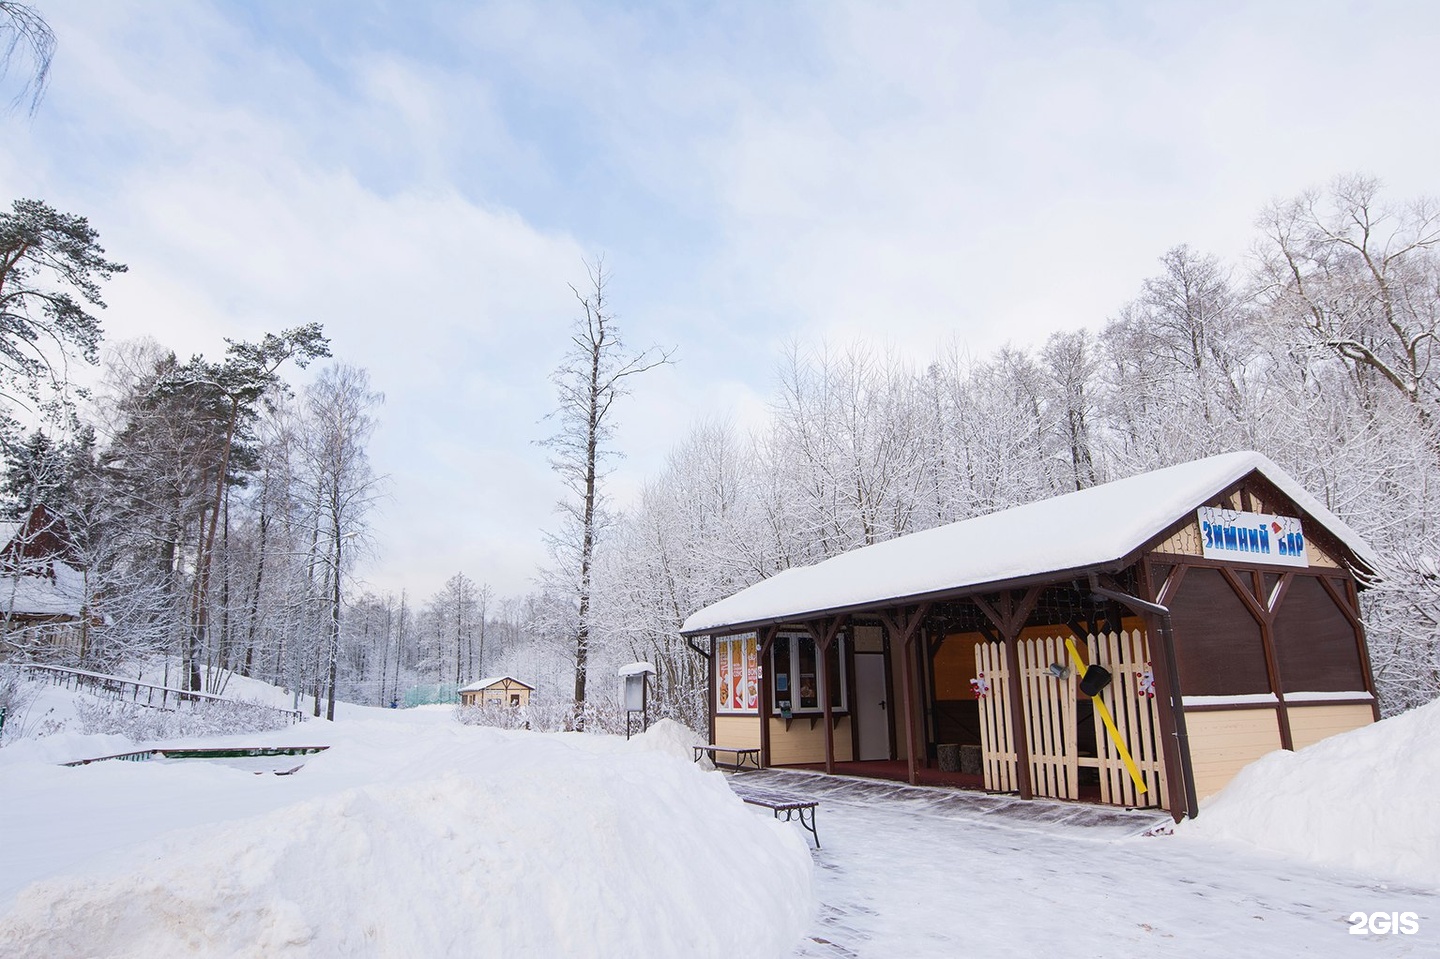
x=1095, y=679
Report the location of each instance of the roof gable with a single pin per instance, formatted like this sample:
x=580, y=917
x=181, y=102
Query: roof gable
x=491, y=681
x=1086, y=529
x=39, y=541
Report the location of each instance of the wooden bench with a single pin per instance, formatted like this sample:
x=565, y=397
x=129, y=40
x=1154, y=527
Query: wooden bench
x=778, y=802
x=743, y=755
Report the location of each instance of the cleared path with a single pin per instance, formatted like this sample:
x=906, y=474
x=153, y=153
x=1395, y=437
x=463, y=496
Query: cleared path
x=918, y=872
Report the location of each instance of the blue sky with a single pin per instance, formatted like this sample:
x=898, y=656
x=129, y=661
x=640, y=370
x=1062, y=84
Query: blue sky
x=425, y=179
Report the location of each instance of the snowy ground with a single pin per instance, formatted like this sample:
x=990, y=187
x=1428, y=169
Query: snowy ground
x=592, y=847
x=412, y=836
x=935, y=873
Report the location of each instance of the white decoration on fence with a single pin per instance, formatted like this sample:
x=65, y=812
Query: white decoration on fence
x=1146, y=682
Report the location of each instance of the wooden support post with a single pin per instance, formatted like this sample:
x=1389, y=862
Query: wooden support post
x=1017, y=716
x=766, y=638
x=824, y=636
x=1264, y=619
x=1167, y=699
x=712, y=698
x=907, y=676
x=904, y=626
x=1009, y=618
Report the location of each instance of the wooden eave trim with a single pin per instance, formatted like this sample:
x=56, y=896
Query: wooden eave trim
x=502, y=687
x=799, y=620
x=1230, y=707
x=1200, y=562
x=1307, y=703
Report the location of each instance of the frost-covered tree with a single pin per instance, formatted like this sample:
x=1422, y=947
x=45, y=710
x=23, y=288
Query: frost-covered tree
x=236, y=386
x=26, y=39
x=51, y=267
x=1362, y=277
x=594, y=374
x=340, y=419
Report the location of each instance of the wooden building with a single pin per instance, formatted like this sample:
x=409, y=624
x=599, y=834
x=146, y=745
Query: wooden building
x=43, y=594
x=496, y=691
x=1219, y=596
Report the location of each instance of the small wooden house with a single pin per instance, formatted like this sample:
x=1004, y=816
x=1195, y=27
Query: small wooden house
x=496, y=691
x=1219, y=598
x=43, y=593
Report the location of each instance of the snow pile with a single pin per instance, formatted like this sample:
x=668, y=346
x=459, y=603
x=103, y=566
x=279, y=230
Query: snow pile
x=64, y=747
x=671, y=738
x=1365, y=800
x=515, y=844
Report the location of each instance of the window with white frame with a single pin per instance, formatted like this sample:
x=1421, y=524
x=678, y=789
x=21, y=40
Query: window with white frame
x=796, y=681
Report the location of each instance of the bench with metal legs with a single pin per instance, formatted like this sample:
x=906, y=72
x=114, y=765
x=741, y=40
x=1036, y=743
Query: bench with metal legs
x=743, y=755
x=792, y=806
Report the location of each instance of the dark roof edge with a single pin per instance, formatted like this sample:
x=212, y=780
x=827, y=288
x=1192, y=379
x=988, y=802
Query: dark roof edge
x=957, y=592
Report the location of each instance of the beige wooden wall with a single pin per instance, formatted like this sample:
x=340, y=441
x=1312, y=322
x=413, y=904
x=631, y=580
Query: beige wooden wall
x=739, y=731
x=804, y=744
x=1222, y=742
x=1310, y=724
x=801, y=744
x=1225, y=741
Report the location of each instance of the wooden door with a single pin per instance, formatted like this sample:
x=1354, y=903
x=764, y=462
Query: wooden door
x=872, y=708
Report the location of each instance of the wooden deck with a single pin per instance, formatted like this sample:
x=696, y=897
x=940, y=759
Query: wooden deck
x=897, y=770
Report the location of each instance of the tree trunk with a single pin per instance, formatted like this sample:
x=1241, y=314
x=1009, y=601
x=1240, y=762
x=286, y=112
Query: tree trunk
x=334, y=643
x=255, y=595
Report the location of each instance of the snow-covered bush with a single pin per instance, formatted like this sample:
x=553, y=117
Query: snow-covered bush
x=205, y=718
x=15, y=697
x=501, y=717
x=546, y=715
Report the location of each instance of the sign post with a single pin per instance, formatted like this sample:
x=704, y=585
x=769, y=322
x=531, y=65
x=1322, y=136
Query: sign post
x=636, y=693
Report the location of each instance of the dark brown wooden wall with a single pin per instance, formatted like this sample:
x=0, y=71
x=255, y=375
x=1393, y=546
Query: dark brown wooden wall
x=1314, y=642
x=1218, y=641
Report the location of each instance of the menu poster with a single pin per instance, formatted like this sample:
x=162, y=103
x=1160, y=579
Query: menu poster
x=752, y=676
x=737, y=675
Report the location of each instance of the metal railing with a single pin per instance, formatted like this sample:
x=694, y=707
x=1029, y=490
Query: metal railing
x=120, y=688
x=203, y=752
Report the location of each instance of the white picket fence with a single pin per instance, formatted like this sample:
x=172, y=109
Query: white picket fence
x=1049, y=718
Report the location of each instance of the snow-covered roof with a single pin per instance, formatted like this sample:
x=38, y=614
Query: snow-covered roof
x=634, y=669
x=489, y=681
x=36, y=594
x=1086, y=529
